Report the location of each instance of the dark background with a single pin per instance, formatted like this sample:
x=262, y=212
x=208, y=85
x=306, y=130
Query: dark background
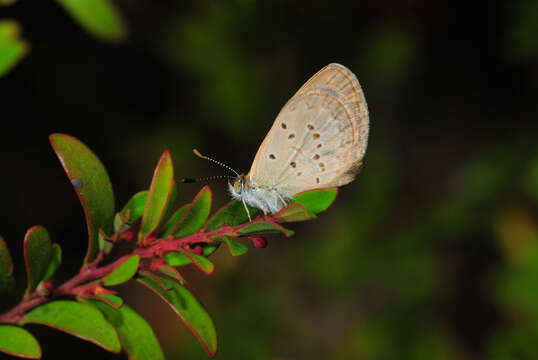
x=432, y=253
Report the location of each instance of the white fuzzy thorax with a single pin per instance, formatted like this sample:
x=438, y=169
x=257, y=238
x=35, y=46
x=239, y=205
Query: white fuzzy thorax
x=269, y=201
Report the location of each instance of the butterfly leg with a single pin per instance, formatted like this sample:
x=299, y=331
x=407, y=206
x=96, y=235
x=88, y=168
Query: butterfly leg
x=281, y=198
x=260, y=206
x=246, y=209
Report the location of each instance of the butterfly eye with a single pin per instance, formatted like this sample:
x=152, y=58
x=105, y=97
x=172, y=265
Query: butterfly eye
x=237, y=186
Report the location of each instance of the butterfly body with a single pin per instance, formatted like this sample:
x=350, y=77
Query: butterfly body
x=318, y=140
x=267, y=199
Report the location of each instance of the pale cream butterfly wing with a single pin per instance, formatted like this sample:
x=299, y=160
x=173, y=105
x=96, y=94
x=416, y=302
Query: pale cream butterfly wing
x=319, y=137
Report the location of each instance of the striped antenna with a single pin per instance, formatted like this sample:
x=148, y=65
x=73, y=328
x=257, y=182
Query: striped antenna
x=191, y=180
x=197, y=153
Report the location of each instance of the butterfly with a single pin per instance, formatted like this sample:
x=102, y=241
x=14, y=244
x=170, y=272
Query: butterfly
x=318, y=140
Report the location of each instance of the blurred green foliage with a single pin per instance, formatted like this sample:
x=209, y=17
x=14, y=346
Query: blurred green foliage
x=12, y=49
x=430, y=254
x=98, y=17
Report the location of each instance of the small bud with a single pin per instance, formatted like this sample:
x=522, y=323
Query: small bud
x=49, y=286
x=149, y=240
x=258, y=241
x=198, y=250
x=99, y=290
x=129, y=235
x=156, y=264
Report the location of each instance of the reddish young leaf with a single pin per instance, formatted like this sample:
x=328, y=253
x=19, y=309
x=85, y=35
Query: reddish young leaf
x=93, y=188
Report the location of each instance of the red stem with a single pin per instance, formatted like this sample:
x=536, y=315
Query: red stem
x=91, y=271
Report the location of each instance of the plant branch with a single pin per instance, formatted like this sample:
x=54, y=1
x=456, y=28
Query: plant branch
x=92, y=271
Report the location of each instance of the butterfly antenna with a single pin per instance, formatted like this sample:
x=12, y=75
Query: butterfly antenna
x=197, y=153
x=194, y=180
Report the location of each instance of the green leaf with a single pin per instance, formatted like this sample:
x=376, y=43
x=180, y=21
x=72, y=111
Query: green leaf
x=115, y=301
x=159, y=195
x=156, y=278
x=16, y=341
x=80, y=320
x=95, y=194
x=122, y=273
x=98, y=17
x=174, y=220
x=134, y=209
x=318, y=200
x=231, y=214
x=55, y=261
x=7, y=282
x=236, y=248
x=176, y=258
x=171, y=201
x=120, y=224
x=209, y=249
x=12, y=49
x=136, y=336
x=201, y=262
x=189, y=310
x=264, y=227
x=196, y=215
x=170, y=271
x=37, y=254
x=105, y=244
x=293, y=212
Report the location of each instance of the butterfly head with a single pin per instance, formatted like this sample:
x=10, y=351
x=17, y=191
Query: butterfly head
x=238, y=186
